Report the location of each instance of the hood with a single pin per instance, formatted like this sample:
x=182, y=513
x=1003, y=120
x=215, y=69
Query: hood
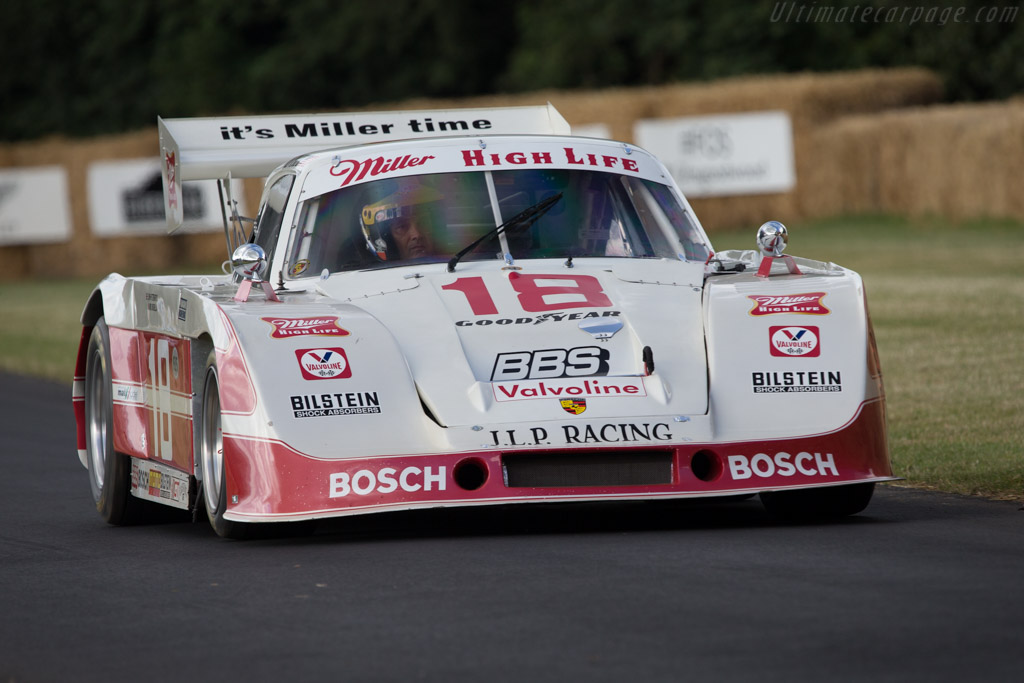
x=490, y=345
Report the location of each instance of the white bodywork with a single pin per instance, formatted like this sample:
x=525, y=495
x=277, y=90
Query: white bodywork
x=411, y=386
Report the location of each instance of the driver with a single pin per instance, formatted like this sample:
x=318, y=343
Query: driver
x=401, y=225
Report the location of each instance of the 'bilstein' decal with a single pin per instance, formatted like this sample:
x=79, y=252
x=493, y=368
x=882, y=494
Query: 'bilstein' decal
x=330, y=405
x=818, y=381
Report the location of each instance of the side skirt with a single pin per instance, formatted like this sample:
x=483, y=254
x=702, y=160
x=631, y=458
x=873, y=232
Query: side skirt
x=161, y=484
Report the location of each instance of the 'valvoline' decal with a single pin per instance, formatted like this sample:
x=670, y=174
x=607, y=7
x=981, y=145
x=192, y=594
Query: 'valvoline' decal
x=792, y=341
x=323, y=363
x=615, y=387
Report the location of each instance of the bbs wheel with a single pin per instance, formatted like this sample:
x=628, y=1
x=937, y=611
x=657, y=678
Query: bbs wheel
x=109, y=471
x=211, y=458
x=829, y=502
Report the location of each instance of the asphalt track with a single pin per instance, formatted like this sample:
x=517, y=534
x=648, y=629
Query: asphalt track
x=922, y=587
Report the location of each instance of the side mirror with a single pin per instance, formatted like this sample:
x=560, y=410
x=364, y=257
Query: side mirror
x=249, y=262
x=772, y=239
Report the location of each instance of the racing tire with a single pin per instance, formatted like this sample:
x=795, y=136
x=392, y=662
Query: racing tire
x=211, y=458
x=831, y=502
x=109, y=471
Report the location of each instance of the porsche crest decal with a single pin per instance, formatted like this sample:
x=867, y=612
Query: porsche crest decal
x=573, y=406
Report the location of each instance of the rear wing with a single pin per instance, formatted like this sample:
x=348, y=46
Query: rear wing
x=253, y=146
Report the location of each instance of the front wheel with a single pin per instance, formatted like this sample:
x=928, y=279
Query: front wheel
x=829, y=502
x=211, y=458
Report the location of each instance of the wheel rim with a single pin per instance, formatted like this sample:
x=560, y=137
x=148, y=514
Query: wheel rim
x=99, y=414
x=212, y=445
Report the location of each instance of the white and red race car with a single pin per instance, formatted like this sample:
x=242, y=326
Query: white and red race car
x=468, y=307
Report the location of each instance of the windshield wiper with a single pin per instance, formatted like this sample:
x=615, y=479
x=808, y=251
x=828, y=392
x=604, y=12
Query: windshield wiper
x=521, y=220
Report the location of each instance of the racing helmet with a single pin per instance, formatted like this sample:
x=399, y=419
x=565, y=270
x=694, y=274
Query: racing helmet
x=379, y=217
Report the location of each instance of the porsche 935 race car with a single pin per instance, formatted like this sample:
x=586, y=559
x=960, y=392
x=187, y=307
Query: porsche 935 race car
x=470, y=307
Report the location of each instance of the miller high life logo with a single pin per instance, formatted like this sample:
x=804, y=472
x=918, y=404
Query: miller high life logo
x=297, y=327
x=805, y=304
x=323, y=363
x=476, y=157
x=573, y=406
x=351, y=171
x=795, y=341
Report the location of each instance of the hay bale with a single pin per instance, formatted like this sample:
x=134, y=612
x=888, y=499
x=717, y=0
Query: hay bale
x=810, y=98
x=841, y=175
x=958, y=161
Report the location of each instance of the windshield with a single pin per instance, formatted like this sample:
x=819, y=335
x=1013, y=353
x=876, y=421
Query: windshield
x=429, y=218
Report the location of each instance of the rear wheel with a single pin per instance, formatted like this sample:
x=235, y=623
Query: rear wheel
x=211, y=458
x=109, y=471
x=828, y=502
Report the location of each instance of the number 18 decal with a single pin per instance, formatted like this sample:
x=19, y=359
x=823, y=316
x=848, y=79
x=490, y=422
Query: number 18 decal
x=579, y=291
x=160, y=390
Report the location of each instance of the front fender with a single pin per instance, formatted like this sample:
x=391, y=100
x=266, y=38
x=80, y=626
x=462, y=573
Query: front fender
x=327, y=379
x=787, y=356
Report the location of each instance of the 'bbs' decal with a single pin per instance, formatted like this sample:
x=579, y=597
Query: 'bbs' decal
x=582, y=361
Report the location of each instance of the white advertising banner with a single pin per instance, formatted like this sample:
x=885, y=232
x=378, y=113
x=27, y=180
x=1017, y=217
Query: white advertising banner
x=729, y=154
x=593, y=130
x=34, y=205
x=126, y=198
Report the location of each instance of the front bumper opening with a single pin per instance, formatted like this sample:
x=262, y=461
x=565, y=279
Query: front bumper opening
x=582, y=469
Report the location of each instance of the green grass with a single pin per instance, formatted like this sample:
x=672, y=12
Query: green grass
x=39, y=323
x=40, y=330
x=947, y=301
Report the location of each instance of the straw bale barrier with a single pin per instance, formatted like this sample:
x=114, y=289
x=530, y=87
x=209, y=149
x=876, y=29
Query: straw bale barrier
x=957, y=161
x=865, y=141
